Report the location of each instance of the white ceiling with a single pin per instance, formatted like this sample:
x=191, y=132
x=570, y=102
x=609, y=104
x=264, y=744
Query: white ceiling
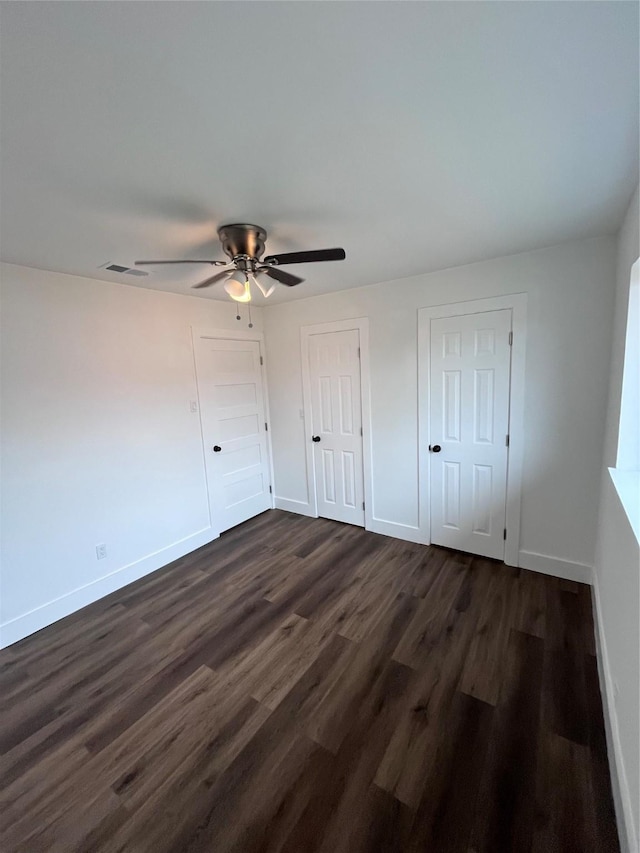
x=417, y=135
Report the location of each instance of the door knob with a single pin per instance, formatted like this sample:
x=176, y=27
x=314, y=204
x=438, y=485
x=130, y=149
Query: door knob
x=435, y=448
x=216, y=448
x=315, y=438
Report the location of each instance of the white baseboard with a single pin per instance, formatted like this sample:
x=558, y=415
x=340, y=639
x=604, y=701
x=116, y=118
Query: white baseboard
x=396, y=530
x=619, y=784
x=374, y=525
x=20, y=627
x=301, y=507
x=547, y=565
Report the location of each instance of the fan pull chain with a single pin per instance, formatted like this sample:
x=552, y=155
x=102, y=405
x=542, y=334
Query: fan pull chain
x=250, y=322
x=238, y=317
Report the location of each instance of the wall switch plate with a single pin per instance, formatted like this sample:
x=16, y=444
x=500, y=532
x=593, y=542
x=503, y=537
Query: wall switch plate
x=101, y=551
x=193, y=406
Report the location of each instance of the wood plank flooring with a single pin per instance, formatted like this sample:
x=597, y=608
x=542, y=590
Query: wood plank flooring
x=300, y=685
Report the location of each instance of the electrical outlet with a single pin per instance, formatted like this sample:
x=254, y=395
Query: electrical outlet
x=101, y=551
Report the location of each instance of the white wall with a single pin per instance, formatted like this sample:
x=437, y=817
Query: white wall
x=570, y=292
x=617, y=578
x=98, y=441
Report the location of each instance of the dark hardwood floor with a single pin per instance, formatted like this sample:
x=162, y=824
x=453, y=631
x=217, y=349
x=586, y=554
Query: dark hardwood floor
x=301, y=685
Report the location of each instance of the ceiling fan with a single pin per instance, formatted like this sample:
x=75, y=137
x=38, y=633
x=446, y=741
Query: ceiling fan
x=244, y=244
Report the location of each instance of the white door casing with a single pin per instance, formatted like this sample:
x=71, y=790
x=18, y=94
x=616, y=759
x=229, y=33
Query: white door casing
x=232, y=413
x=336, y=424
x=469, y=420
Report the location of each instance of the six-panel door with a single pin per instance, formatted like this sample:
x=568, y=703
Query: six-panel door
x=469, y=417
x=334, y=371
x=234, y=430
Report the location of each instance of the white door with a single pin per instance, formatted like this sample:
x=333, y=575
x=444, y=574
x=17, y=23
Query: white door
x=233, y=429
x=336, y=423
x=468, y=427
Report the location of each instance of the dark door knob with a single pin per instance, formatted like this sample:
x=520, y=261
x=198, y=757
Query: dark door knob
x=315, y=438
x=216, y=448
x=435, y=449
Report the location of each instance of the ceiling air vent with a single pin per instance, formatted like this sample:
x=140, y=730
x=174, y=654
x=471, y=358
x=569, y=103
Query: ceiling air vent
x=125, y=270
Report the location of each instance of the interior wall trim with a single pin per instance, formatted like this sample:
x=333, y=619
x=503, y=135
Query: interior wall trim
x=397, y=530
x=40, y=617
x=291, y=505
x=555, y=566
x=619, y=783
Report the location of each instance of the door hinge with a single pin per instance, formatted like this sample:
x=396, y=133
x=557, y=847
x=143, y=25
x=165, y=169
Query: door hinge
x=266, y=427
x=504, y=535
x=261, y=360
x=361, y=433
x=507, y=441
x=510, y=339
x=362, y=504
x=358, y=352
x=270, y=490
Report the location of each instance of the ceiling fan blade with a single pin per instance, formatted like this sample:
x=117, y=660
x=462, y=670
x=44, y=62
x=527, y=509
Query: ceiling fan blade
x=307, y=257
x=214, y=278
x=213, y=263
x=281, y=276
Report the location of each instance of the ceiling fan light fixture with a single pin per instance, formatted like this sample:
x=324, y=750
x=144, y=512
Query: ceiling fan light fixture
x=265, y=289
x=238, y=287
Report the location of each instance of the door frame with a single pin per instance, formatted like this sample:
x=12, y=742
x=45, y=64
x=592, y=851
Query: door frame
x=517, y=303
x=362, y=325
x=232, y=335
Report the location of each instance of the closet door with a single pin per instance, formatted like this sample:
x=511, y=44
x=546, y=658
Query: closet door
x=232, y=413
x=469, y=422
x=336, y=423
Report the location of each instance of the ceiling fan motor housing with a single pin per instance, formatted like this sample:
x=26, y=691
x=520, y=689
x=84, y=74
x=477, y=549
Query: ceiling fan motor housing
x=242, y=240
